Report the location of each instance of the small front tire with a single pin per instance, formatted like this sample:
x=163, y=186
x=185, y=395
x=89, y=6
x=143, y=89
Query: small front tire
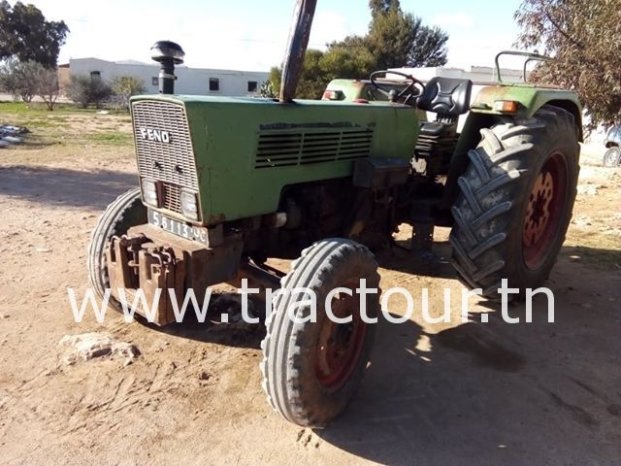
x=311, y=370
x=124, y=212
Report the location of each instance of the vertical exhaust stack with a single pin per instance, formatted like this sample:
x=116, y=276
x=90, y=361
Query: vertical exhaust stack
x=168, y=54
x=296, y=49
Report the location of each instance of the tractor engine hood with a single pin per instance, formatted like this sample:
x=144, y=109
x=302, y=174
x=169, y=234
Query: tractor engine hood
x=237, y=154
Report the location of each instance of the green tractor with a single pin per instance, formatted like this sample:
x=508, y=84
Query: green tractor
x=226, y=183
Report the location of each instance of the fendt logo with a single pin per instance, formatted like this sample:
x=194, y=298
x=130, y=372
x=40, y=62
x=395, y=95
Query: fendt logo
x=157, y=135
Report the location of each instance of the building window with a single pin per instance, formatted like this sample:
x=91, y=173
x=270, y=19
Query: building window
x=155, y=81
x=252, y=86
x=214, y=84
x=95, y=75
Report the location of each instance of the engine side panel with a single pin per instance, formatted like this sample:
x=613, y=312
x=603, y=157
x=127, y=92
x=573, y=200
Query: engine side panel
x=247, y=150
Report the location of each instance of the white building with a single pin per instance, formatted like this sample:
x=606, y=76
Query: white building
x=194, y=81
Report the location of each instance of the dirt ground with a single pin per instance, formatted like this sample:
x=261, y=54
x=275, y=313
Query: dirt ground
x=459, y=393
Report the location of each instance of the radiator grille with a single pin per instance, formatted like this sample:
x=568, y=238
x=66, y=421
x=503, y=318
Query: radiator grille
x=173, y=161
x=282, y=149
x=172, y=198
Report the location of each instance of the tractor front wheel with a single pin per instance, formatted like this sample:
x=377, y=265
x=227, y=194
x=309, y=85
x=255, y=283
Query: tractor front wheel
x=124, y=212
x=312, y=367
x=515, y=203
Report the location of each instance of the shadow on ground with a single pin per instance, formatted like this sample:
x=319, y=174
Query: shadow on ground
x=496, y=393
x=435, y=264
x=232, y=332
x=65, y=187
x=544, y=392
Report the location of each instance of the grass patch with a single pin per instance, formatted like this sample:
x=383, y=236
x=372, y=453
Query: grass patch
x=601, y=259
x=39, y=108
x=113, y=138
x=594, y=248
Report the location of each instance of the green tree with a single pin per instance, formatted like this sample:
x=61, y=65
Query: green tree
x=126, y=86
x=85, y=90
x=320, y=68
x=391, y=38
x=395, y=39
x=399, y=39
x=29, y=79
x=584, y=39
x=313, y=79
x=266, y=90
x=379, y=7
x=28, y=36
x=19, y=79
x=429, y=46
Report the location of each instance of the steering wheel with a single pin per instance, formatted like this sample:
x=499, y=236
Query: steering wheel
x=411, y=91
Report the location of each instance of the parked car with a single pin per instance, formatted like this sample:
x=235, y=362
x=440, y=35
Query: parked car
x=612, y=157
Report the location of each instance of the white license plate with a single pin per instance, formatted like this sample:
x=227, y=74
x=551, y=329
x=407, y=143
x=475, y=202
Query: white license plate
x=178, y=228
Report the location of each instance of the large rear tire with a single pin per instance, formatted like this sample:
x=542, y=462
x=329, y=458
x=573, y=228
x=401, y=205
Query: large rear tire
x=515, y=202
x=311, y=370
x=124, y=212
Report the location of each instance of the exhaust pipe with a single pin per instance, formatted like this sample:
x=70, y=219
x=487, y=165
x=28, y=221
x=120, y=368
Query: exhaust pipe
x=296, y=48
x=167, y=54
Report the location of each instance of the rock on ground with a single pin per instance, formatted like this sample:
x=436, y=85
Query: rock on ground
x=86, y=346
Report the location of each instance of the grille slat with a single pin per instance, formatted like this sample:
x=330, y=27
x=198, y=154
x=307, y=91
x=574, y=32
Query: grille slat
x=170, y=162
x=172, y=198
x=301, y=148
x=173, y=162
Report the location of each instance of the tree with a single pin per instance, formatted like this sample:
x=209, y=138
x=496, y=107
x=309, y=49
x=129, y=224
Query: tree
x=47, y=85
x=29, y=79
x=85, y=90
x=379, y=7
x=28, y=36
x=322, y=67
x=19, y=79
x=313, y=79
x=584, y=39
x=391, y=37
x=395, y=39
x=267, y=90
x=429, y=46
x=126, y=86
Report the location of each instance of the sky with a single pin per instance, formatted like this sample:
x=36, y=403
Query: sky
x=252, y=35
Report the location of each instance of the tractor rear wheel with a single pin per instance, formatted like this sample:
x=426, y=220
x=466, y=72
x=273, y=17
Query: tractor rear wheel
x=124, y=212
x=515, y=202
x=311, y=370
x=612, y=157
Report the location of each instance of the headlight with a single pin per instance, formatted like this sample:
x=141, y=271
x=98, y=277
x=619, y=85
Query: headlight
x=149, y=192
x=189, y=205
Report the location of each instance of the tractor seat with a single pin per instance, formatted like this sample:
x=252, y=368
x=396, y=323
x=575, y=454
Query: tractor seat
x=448, y=98
x=445, y=96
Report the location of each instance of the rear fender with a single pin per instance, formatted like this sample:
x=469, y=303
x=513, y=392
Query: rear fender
x=530, y=99
x=482, y=115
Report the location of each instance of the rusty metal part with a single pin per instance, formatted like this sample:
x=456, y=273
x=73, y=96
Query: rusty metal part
x=544, y=210
x=339, y=346
x=150, y=259
x=262, y=278
x=296, y=48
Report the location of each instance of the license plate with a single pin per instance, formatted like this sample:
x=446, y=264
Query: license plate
x=178, y=228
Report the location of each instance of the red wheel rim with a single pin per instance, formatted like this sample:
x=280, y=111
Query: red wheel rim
x=544, y=211
x=340, y=345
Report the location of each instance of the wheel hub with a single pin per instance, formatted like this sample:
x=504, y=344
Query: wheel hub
x=544, y=210
x=340, y=345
